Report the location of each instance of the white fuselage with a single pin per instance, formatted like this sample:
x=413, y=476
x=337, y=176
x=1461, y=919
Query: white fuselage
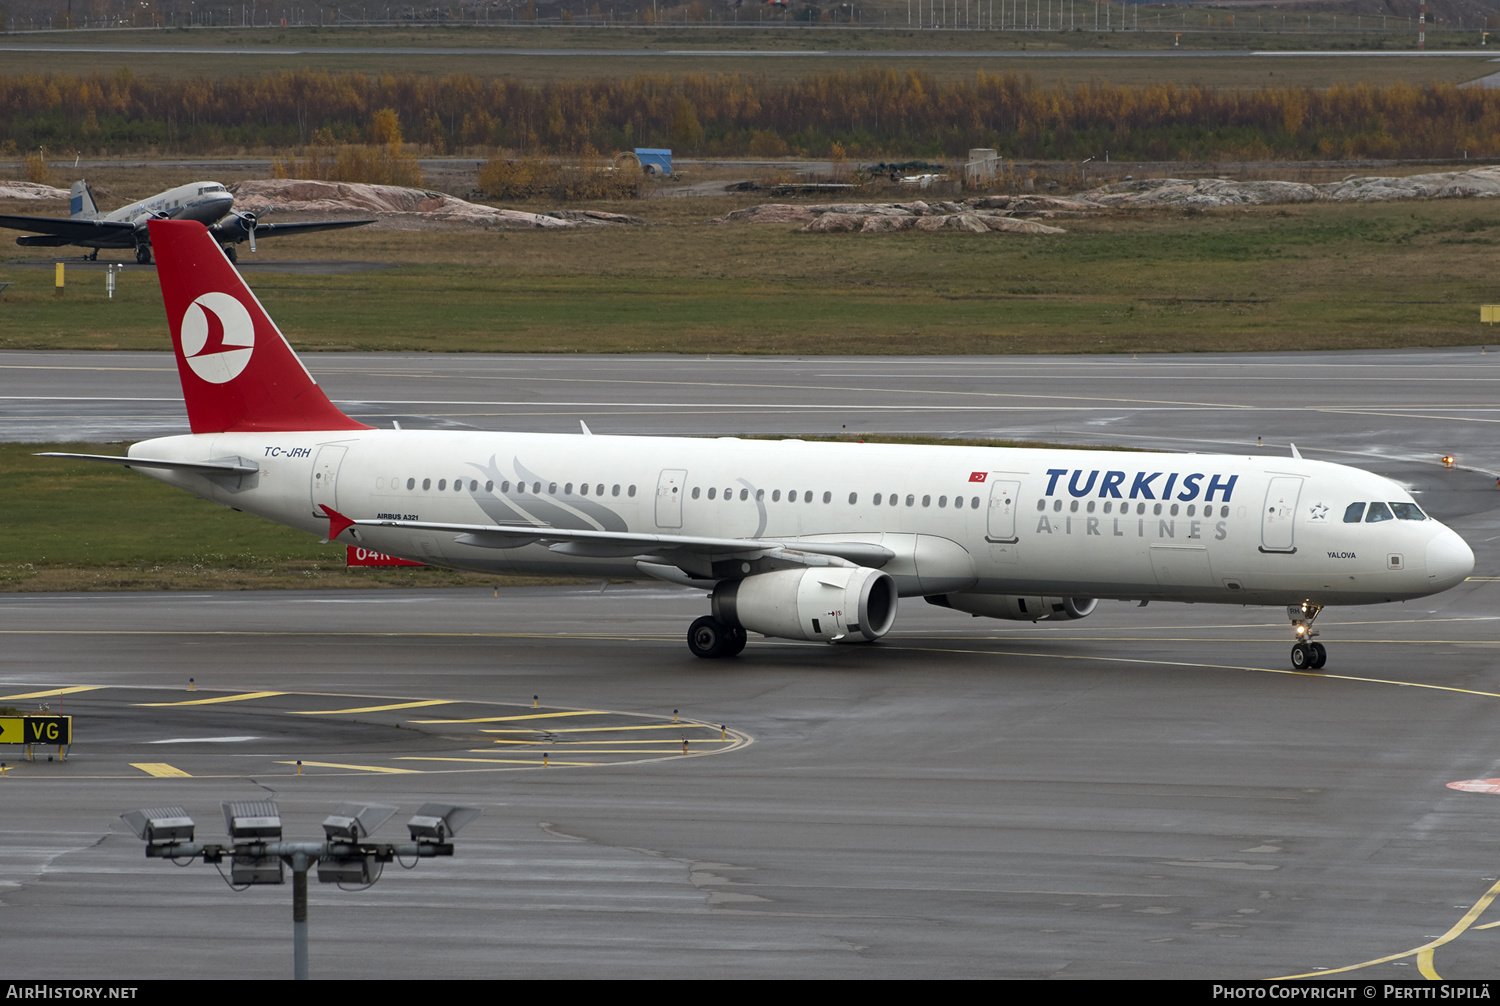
x=1185, y=527
x=205, y=202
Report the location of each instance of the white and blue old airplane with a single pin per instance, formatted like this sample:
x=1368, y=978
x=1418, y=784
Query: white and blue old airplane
x=208, y=203
x=808, y=541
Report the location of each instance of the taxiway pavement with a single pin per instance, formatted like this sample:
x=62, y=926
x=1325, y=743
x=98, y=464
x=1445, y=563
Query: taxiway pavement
x=1145, y=793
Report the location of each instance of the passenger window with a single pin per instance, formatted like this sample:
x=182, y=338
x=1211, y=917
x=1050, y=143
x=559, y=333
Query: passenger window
x=583, y=489
x=630, y=491
x=473, y=485
x=974, y=503
x=1408, y=511
x=878, y=498
x=599, y=489
x=853, y=498
x=892, y=499
x=760, y=494
x=1378, y=512
x=442, y=484
x=712, y=491
x=1056, y=505
x=411, y=483
x=911, y=500
x=927, y=501
x=1040, y=504
x=1354, y=513
x=828, y=497
x=695, y=492
x=745, y=494
x=776, y=496
x=489, y=487
x=942, y=502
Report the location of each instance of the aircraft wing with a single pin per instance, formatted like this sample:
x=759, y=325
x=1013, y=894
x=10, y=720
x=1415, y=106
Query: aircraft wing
x=232, y=229
x=671, y=548
x=65, y=230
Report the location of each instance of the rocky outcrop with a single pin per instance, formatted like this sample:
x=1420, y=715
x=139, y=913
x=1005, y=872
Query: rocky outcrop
x=1476, y=183
x=30, y=190
x=990, y=214
x=398, y=208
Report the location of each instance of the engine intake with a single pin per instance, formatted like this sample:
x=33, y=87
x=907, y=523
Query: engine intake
x=852, y=604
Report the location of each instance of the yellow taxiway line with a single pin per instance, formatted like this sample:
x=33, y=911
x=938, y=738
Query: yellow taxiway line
x=215, y=700
x=373, y=709
x=160, y=769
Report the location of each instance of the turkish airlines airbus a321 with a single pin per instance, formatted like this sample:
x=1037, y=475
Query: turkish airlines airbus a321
x=809, y=541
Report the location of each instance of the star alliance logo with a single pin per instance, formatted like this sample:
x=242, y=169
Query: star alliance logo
x=1318, y=512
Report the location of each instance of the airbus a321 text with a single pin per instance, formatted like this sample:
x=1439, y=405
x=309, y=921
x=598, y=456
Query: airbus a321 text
x=807, y=541
x=206, y=202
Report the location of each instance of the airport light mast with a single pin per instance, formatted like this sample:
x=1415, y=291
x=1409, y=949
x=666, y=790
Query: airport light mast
x=257, y=854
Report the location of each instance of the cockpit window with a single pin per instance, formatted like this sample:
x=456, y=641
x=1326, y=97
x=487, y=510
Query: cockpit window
x=1354, y=514
x=1408, y=511
x=1378, y=512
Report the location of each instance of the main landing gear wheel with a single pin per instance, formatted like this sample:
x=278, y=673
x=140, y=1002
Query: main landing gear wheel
x=1306, y=655
x=708, y=637
x=143, y=254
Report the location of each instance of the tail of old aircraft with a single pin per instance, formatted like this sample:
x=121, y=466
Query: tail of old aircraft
x=81, y=202
x=238, y=373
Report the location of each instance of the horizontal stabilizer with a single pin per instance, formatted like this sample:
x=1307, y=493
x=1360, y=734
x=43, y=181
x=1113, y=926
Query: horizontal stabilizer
x=228, y=466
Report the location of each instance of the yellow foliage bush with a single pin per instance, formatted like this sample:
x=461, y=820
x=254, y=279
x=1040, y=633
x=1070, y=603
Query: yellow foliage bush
x=527, y=177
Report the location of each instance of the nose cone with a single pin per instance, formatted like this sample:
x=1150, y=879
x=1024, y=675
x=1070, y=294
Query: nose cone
x=1449, y=560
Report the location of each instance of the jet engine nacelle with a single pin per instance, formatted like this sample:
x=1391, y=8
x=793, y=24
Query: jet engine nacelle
x=844, y=604
x=1019, y=609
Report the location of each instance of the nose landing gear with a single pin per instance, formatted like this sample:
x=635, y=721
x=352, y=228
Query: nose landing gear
x=1306, y=655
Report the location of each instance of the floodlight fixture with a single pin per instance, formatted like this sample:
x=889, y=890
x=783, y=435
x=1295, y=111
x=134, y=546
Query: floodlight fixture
x=438, y=822
x=256, y=870
x=350, y=871
x=351, y=822
x=252, y=820
x=160, y=825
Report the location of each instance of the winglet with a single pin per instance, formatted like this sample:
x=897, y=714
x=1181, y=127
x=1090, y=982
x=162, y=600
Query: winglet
x=1296, y=453
x=337, y=522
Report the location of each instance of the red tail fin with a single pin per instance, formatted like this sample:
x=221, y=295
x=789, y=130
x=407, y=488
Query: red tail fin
x=238, y=373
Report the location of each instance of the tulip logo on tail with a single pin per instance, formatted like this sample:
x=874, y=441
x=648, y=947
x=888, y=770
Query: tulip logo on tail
x=217, y=337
